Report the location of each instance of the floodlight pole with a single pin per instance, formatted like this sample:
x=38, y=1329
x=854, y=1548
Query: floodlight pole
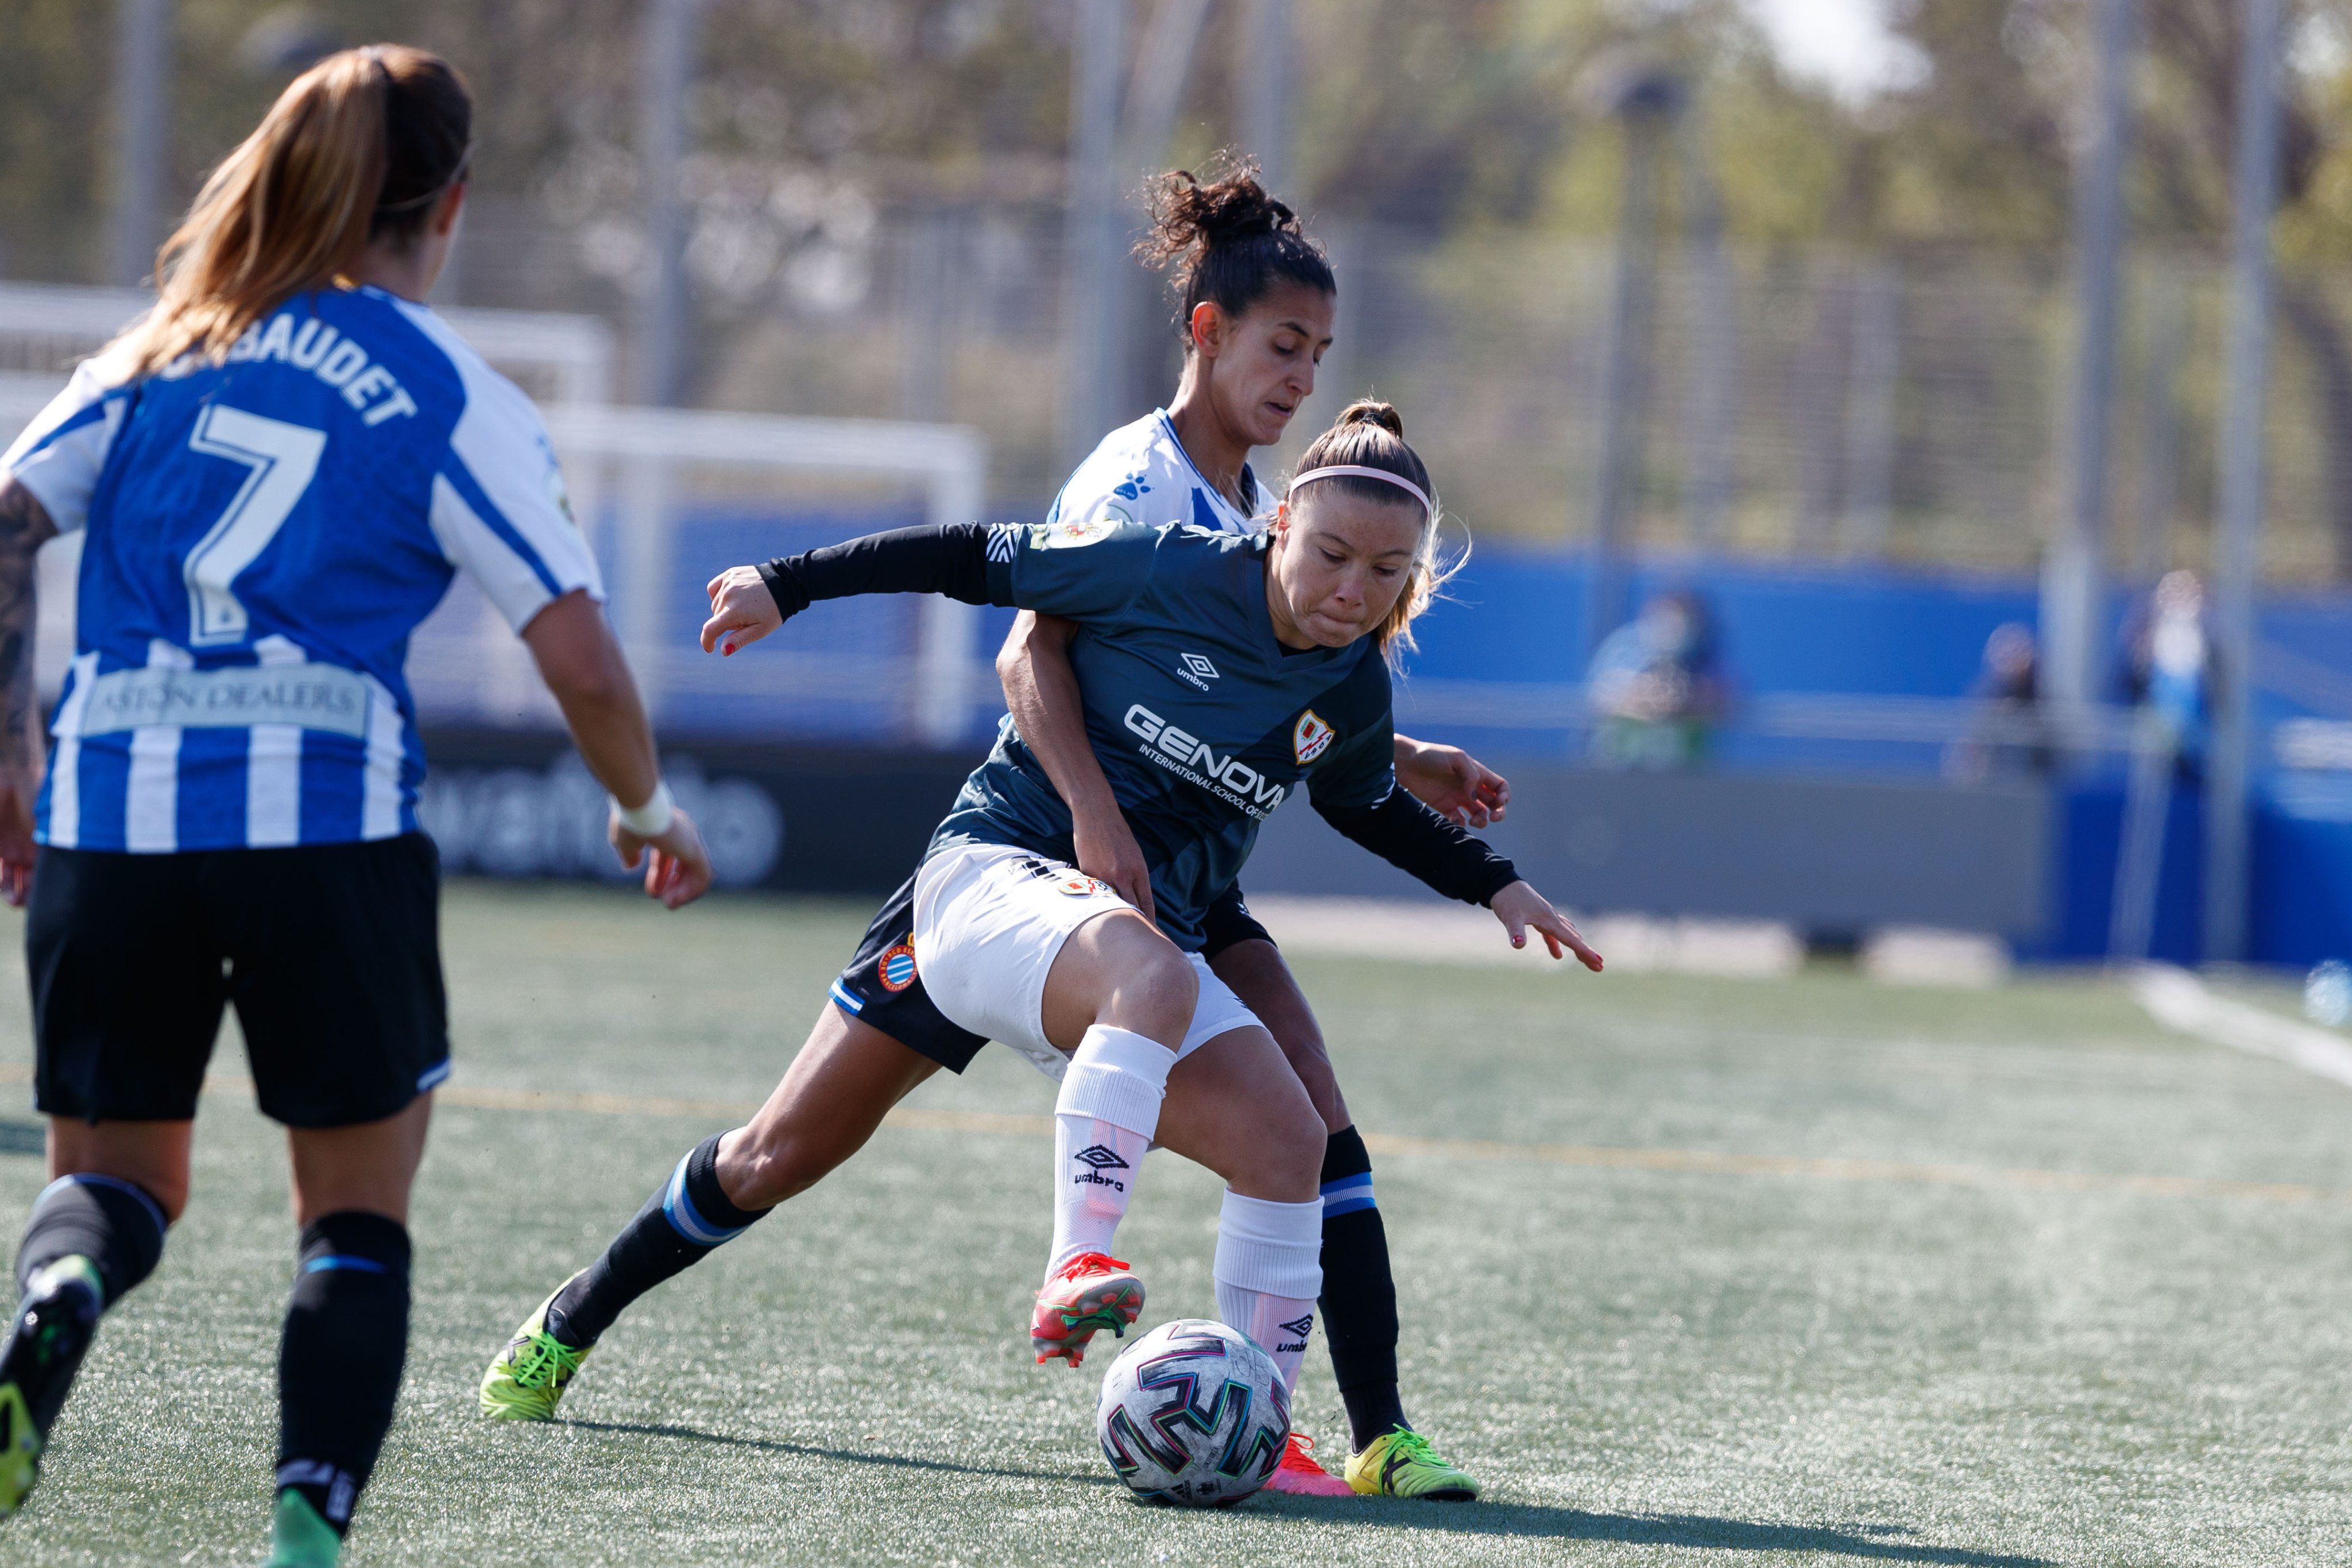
x=1091, y=327
x=666, y=49
x=1266, y=40
x=2072, y=571
x=665, y=52
x=142, y=57
x=1645, y=103
x=2237, y=537
x=1712, y=409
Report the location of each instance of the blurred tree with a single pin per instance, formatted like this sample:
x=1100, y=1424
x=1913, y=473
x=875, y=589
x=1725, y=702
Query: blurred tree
x=50, y=137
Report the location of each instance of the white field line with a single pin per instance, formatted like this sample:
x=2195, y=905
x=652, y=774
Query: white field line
x=2180, y=1000
x=1681, y=1161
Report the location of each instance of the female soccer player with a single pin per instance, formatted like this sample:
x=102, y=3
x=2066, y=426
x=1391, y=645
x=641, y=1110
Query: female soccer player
x=1016, y=945
x=277, y=473
x=1255, y=311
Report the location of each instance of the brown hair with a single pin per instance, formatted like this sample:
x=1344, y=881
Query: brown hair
x=1369, y=433
x=362, y=144
x=1230, y=241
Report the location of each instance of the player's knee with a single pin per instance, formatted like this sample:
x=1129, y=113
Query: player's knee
x=1157, y=997
x=1153, y=990
x=1283, y=1141
x=1295, y=1143
x=760, y=1167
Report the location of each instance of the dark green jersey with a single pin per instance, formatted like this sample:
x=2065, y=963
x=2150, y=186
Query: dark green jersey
x=1202, y=721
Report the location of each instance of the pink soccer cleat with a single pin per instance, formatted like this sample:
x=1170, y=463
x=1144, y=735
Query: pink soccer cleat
x=1299, y=1474
x=1092, y=1292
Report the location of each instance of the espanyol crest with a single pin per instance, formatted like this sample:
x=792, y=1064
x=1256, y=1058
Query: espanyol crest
x=1311, y=737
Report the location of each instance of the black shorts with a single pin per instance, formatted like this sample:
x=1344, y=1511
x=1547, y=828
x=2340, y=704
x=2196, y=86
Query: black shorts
x=1227, y=921
x=882, y=987
x=329, y=951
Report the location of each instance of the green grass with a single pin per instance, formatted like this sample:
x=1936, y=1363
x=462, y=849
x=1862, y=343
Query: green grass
x=1731, y=1353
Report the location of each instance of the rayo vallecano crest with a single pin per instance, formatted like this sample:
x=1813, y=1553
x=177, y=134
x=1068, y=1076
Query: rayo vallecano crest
x=1311, y=737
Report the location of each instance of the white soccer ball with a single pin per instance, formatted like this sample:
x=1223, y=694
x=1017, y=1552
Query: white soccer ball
x=1193, y=1414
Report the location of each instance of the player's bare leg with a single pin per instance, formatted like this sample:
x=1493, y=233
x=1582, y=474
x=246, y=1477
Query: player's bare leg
x=835, y=1095
x=1359, y=1297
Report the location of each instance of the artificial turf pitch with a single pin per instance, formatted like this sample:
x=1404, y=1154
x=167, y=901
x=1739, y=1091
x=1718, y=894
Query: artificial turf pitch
x=1693, y=1271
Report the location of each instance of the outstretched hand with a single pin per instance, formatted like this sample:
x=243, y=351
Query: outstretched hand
x=678, y=866
x=1452, y=783
x=1521, y=908
x=743, y=611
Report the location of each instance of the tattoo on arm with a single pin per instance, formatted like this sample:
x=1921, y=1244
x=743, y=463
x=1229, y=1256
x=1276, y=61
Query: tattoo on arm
x=25, y=526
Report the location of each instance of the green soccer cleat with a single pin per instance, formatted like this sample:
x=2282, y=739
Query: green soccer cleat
x=1399, y=1463
x=55, y=1324
x=531, y=1375
x=20, y=1450
x=298, y=1538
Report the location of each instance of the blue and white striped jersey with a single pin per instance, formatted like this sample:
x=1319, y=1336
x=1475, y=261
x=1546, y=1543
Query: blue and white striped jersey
x=1141, y=472
x=260, y=537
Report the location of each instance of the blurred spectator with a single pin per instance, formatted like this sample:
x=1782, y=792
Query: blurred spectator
x=2010, y=737
x=2168, y=664
x=1654, y=686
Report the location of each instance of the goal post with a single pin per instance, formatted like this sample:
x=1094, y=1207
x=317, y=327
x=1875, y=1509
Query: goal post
x=638, y=477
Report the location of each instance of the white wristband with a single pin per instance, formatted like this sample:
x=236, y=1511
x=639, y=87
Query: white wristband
x=652, y=818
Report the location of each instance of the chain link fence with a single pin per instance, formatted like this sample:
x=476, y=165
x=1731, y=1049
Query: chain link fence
x=1806, y=402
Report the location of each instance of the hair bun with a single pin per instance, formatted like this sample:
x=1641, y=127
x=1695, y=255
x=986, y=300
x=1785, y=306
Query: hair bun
x=1236, y=206
x=1372, y=410
x=1191, y=212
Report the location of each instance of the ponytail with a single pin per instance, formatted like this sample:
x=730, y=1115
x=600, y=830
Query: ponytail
x=1369, y=433
x=1230, y=241
x=361, y=144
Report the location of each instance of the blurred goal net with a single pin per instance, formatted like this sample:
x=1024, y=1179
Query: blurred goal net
x=669, y=497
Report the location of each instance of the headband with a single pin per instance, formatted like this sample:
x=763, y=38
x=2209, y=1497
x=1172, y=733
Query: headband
x=1357, y=471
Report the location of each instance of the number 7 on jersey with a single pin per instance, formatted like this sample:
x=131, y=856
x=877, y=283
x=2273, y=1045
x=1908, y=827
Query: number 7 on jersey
x=282, y=459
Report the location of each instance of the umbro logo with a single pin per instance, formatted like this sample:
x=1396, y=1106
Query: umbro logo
x=1101, y=1160
x=1003, y=540
x=1302, y=1327
x=1196, y=669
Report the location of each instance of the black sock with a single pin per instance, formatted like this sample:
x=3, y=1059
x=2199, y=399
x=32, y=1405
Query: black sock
x=111, y=1222
x=686, y=1219
x=338, y=1364
x=1360, y=1316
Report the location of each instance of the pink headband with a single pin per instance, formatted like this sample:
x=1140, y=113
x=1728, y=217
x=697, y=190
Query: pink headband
x=1356, y=471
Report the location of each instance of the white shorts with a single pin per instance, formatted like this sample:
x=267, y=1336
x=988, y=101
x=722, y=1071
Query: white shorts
x=989, y=922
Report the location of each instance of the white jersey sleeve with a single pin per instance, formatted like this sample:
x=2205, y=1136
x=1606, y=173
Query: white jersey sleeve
x=498, y=508
x=1140, y=474
x=59, y=455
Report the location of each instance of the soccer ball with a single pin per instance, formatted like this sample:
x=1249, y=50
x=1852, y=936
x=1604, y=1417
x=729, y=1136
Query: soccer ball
x=1193, y=1414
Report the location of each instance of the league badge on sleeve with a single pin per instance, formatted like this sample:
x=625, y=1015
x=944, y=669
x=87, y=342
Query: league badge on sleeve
x=1074, y=536
x=1311, y=738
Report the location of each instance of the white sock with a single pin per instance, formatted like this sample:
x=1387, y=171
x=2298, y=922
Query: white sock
x=1103, y=1122
x=1269, y=1270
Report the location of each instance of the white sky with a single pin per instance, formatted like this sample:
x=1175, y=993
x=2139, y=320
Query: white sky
x=1841, y=44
